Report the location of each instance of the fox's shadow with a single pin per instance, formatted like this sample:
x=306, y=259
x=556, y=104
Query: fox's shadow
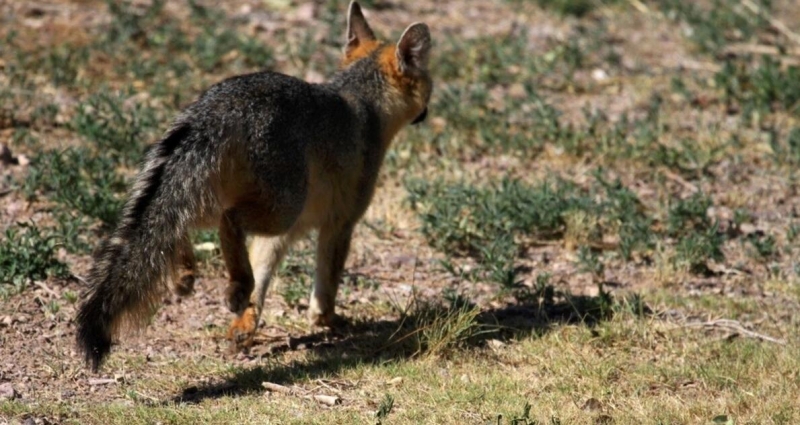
x=374, y=342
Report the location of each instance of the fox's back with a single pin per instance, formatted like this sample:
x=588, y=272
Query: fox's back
x=269, y=105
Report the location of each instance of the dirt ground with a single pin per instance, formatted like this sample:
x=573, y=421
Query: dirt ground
x=182, y=363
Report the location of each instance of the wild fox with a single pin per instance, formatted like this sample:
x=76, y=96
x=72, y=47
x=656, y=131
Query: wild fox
x=265, y=155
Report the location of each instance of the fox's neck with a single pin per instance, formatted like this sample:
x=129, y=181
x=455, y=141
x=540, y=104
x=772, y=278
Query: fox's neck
x=373, y=115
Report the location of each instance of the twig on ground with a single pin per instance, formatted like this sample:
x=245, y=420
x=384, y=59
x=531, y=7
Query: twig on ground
x=102, y=381
x=641, y=7
x=778, y=25
x=760, y=49
x=278, y=388
x=736, y=327
x=323, y=384
x=329, y=400
x=47, y=289
x=680, y=180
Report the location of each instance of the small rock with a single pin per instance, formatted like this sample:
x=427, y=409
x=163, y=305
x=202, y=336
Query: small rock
x=747, y=228
x=7, y=392
x=720, y=213
x=517, y=91
x=395, y=380
x=438, y=124
x=599, y=74
x=22, y=319
x=592, y=291
x=23, y=160
x=496, y=343
x=7, y=321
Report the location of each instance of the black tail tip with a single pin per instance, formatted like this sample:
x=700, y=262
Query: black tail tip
x=95, y=343
x=95, y=357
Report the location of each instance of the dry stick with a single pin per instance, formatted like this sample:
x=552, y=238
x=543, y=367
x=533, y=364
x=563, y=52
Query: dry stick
x=47, y=289
x=324, y=399
x=778, y=25
x=736, y=326
x=680, y=180
x=760, y=49
x=323, y=384
x=327, y=399
x=101, y=381
x=641, y=7
x=276, y=388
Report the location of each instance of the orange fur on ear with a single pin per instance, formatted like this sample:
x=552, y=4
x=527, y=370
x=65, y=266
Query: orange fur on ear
x=387, y=59
x=361, y=41
x=390, y=67
x=364, y=49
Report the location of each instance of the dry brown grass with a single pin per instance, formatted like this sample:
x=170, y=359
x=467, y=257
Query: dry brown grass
x=522, y=92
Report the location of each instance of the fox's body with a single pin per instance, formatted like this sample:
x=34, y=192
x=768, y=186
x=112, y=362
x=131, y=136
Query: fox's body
x=265, y=155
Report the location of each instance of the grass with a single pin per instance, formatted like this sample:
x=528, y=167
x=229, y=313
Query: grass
x=595, y=182
x=689, y=376
x=27, y=253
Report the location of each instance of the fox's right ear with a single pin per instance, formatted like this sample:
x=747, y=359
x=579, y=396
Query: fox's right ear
x=358, y=31
x=414, y=48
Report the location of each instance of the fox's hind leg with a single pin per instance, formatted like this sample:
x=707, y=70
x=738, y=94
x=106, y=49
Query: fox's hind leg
x=266, y=254
x=234, y=251
x=183, y=282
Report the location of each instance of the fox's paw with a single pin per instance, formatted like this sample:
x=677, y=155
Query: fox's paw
x=184, y=286
x=243, y=329
x=321, y=312
x=326, y=320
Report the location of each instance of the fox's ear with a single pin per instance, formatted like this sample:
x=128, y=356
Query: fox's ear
x=414, y=48
x=358, y=30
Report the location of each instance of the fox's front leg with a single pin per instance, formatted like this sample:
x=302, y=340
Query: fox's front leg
x=266, y=254
x=332, y=250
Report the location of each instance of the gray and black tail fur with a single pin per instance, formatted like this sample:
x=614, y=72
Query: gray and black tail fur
x=131, y=267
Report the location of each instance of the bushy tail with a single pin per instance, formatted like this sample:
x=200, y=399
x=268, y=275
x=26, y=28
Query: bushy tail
x=131, y=267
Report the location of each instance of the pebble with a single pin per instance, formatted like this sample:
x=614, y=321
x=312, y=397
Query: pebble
x=7, y=392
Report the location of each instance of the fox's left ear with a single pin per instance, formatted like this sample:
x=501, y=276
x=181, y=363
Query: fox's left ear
x=414, y=48
x=358, y=30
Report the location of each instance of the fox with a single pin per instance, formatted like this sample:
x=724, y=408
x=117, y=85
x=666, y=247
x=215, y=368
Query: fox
x=266, y=158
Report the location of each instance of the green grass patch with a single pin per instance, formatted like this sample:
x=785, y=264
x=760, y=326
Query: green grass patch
x=28, y=253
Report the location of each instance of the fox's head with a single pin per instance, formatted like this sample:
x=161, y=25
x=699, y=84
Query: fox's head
x=394, y=77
